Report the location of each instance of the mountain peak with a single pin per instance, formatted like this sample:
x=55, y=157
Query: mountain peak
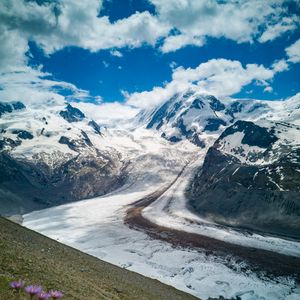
x=72, y=114
x=8, y=107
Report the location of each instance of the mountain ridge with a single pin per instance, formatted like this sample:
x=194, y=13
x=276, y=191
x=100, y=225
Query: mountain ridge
x=60, y=150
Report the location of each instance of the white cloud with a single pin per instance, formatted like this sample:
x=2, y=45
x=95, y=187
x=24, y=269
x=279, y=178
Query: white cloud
x=220, y=77
x=280, y=65
x=116, y=53
x=275, y=30
x=293, y=52
x=32, y=86
x=173, y=64
x=175, y=42
x=107, y=113
x=57, y=24
x=268, y=89
x=241, y=21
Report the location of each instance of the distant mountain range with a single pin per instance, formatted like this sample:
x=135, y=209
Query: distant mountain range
x=250, y=176
x=51, y=156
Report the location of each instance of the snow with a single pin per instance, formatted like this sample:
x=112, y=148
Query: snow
x=96, y=226
x=171, y=210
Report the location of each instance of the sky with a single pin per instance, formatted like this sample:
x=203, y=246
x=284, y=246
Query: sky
x=127, y=55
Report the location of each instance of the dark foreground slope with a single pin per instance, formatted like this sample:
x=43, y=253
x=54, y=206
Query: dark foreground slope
x=37, y=259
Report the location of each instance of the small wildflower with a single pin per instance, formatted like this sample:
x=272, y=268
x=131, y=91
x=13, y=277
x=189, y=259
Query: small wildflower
x=17, y=285
x=43, y=296
x=55, y=294
x=33, y=290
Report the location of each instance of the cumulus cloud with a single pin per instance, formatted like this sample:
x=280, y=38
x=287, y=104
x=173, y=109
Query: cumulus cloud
x=220, y=77
x=293, y=52
x=175, y=42
x=275, y=30
x=241, y=21
x=57, y=24
x=280, y=65
x=116, y=53
x=54, y=25
x=107, y=113
x=33, y=86
x=268, y=89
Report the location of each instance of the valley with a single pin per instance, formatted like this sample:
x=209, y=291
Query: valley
x=150, y=195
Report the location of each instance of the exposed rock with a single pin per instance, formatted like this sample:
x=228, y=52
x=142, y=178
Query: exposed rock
x=9, y=142
x=215, y=104
x=23, y=134
x=9, y=107
x=257, y=190
x=27, y=185
x=72, y=114
x=86, y=139
x=95, y=126
x=253, y=135
x=214, y=124
x=67, y=141
x=18, y=105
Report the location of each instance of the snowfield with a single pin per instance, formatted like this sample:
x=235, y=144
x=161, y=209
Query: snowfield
x=96, y=226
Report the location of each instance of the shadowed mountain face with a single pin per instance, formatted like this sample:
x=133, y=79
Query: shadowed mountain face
x=10, y=107
x=250, y=178
x=27, y=186
x=54, y=161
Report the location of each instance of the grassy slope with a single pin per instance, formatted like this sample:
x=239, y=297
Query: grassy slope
x=27, y=255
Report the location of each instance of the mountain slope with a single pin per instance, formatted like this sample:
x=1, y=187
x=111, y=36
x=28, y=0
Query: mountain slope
x=24, y=254
x=51, y=155
x=55, y=154
x=250, y=178
x=201, y=118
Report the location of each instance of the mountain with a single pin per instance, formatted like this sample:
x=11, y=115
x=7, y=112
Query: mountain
x=199, y=117
x=51, y=155
x=251, y=172
x=250, y=178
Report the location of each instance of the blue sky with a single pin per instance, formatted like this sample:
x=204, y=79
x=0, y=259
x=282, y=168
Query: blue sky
x=142, y=68
x=132, y=51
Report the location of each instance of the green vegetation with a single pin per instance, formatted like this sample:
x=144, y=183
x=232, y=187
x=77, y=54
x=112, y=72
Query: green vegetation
x=32, y=257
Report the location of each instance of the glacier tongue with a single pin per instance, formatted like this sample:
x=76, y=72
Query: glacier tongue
x=96, y=226
x=189, y=124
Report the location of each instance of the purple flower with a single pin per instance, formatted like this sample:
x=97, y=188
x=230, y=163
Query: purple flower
x=33, y=289
x=55, y=294
x=17, y=285
x=43, y=296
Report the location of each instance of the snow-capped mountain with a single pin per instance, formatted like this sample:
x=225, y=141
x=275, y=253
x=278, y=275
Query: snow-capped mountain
x=51, y=155
x=201, y=118
x=251, y=171
x=250, y=178
x=55, y=154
